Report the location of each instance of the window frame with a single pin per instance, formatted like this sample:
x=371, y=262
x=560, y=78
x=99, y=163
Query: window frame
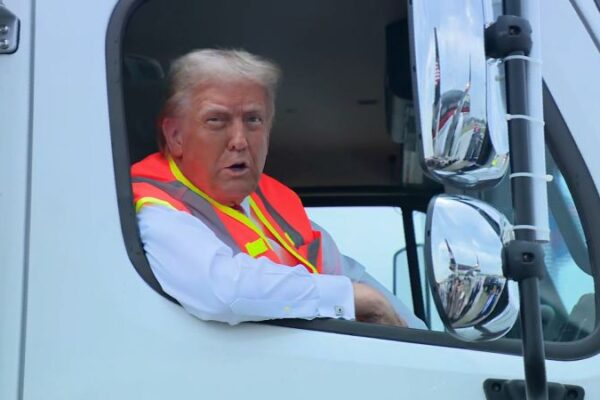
x=569, y=160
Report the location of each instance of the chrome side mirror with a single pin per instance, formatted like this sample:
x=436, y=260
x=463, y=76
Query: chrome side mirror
x=460, y=105
x=463, y=257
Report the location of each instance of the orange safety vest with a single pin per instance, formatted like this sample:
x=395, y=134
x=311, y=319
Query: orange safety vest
x=158, y=180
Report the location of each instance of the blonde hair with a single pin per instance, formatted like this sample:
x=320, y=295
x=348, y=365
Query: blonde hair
x=210, y=65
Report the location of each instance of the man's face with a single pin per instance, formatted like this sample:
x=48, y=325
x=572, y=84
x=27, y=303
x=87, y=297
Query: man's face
x=220, y=140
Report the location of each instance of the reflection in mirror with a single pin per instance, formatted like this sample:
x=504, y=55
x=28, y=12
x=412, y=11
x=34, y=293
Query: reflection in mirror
x=463, y=255
x=461, y=108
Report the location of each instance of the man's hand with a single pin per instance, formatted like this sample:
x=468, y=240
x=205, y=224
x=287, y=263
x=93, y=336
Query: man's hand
x=372, y=306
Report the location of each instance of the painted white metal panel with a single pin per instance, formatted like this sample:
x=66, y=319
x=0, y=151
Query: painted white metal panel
x=570, y=69
x=14, y=164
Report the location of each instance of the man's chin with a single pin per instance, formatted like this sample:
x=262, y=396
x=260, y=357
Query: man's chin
x=235, y=195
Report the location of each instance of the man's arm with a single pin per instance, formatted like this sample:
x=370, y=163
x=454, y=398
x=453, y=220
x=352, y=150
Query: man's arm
x=357, y=273
x=209, y=281
x=371, y=305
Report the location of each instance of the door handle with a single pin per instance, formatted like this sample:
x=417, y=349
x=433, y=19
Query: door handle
x=9, y=31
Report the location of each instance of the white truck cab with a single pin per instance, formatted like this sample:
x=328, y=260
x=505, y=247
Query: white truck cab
x=80, y=315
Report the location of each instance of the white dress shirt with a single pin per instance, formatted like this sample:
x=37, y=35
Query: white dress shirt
x=209, y=281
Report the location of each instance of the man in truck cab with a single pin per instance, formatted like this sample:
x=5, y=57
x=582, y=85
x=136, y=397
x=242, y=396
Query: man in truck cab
x=228, y=242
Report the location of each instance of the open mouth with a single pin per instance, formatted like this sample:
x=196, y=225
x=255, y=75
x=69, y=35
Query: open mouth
x=238, y=167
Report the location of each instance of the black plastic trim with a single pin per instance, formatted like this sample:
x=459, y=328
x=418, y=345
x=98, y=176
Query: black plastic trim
x=406, y=198
x=412, y=259
x=569, y=160
x=503, y=389
x=116, y=27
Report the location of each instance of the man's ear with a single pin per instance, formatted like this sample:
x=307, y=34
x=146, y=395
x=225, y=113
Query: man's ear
x=173, y=136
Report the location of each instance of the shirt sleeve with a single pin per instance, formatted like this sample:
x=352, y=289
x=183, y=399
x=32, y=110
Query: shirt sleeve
x=209, y=281
x=336, y=263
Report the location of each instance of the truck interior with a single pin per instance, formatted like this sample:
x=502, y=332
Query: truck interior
x=344, y=132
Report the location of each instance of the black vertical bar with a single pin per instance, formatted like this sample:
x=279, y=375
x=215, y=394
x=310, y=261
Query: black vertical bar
x=428, y=303
x=413, y=264
x=395, y=272
x=523, y=199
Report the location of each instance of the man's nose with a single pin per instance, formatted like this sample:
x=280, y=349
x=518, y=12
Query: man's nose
x=237, y=136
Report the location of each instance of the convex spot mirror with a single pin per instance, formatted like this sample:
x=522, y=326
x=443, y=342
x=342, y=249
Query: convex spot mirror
x=459, y=93
x=463, y=257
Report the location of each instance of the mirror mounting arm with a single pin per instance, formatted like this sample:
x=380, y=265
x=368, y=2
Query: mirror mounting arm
x=509, y=34
x=515, y=35
x=523, y=259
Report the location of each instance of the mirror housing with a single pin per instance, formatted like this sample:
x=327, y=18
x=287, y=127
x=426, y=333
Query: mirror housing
x=476, y=302
x=459, y=94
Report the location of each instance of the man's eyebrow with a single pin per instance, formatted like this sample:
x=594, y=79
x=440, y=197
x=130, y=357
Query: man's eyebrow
x=255, y=107
x=212, y=107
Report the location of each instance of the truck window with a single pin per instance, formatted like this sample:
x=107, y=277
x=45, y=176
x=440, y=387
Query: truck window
x=380, y=245
x=569, y=290
x=385, y=236
x=343, y=138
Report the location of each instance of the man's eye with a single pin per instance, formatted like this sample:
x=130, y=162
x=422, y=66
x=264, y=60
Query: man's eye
x=215, y=121
x=254, y=119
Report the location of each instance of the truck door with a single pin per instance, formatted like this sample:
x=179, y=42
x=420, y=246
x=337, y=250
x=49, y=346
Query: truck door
x=96, y=330
x=15, y=141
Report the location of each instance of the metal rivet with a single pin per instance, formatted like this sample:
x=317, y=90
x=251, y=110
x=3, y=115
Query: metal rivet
x=528, y=257
x=514, y=30
x=4, y=44
x=4, y=29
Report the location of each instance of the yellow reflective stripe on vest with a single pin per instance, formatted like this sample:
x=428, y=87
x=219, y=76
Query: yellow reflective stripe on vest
x=240, y=217
x=276, y=235
x=257, y=247
x=151, y=200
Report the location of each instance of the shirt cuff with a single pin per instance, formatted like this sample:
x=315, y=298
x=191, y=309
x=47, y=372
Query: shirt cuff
x=336, y=296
